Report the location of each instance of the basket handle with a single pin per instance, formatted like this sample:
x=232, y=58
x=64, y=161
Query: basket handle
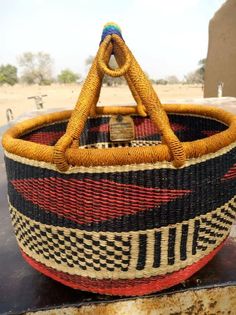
x=112, y=42
x=103, y=60
x=122, y=59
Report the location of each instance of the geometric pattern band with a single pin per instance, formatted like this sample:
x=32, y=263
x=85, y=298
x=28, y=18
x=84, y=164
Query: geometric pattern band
x=123, y=255
x=112, y=199
x=97, y=130
x=123, y=286
x=122, y=200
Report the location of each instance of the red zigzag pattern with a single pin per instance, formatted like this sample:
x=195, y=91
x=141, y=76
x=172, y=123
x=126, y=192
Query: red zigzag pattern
x=85, y=201
x=231, y=174
x=48, y=137
x=143, y=127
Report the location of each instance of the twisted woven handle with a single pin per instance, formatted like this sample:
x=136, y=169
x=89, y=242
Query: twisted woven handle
x=123, y=59
x=141, y=89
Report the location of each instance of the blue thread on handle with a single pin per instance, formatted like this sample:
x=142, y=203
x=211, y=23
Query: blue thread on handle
x=110, y=29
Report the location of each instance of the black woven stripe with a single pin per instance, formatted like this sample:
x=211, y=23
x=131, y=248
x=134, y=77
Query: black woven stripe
x=223, y=220
x=36, y=213
x=216, y=226
x=194, y=125
x=209, y=232
x=87, y=137
x=159, y=217
x=142, y=252
x=157, y=250
x=195, y=236
x=207, y=240
x=61, y=126
x=233, y=207
x=196, y=178
x=90, y=137
x=171, y=246
x=196, y=174
x=199, y=174
x=197, y=123
x=183, y=242
x=173, y=212
x=177, y=211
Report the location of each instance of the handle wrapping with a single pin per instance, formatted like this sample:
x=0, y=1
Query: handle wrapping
x=142, y=91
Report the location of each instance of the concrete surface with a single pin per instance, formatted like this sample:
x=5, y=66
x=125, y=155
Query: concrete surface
x=210, y=301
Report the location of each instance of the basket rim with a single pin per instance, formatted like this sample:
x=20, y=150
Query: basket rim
x=126, y=155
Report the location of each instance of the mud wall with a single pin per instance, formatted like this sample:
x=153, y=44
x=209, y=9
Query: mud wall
x=221, y=58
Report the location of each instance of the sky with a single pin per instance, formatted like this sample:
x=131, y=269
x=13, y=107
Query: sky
x=167, y=37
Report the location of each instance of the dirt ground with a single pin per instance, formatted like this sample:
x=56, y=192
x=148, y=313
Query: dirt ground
x=58, y=96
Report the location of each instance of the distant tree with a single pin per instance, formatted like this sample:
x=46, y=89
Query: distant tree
x=172, y=79
x=161, y=81
x=153, y=81
x=193, y=78
x=8, y=74
x=201, y=71
x=68, y=76
x=197, y=76
x=202, y=64
x=36, y=68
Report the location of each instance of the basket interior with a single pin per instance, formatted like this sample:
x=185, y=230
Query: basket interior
x=96, y=131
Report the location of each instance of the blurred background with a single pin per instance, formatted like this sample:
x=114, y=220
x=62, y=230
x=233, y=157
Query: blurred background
x=47, y=48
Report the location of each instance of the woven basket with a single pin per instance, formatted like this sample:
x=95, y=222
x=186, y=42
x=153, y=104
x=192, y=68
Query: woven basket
x=123, y=218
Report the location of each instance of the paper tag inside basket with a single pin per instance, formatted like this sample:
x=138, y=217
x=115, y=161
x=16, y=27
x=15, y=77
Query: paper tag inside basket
x=121, y=128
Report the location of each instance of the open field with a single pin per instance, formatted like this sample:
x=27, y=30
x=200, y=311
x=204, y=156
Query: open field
x=16, y=97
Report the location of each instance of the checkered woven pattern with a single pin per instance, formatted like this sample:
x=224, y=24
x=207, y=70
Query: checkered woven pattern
x=126, y=254
x=83, y=250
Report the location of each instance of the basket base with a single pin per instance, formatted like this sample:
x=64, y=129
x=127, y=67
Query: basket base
x=134, y=287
